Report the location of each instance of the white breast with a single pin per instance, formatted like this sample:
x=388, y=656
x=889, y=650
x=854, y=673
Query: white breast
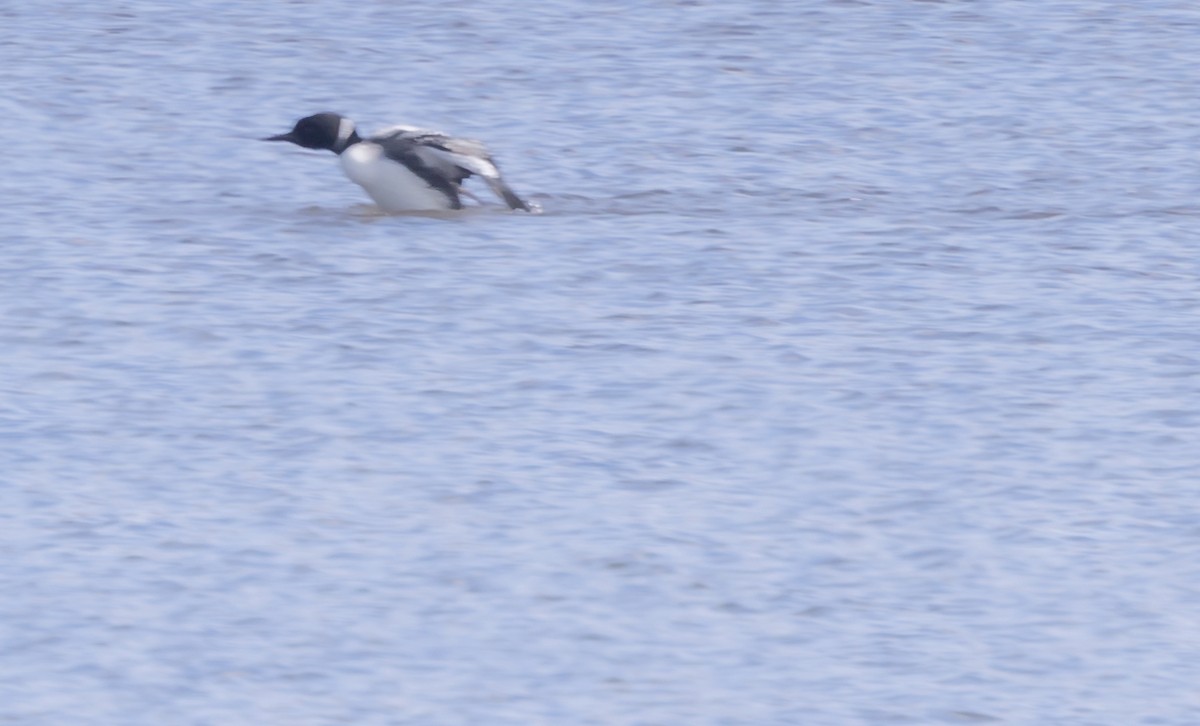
x=393, y=187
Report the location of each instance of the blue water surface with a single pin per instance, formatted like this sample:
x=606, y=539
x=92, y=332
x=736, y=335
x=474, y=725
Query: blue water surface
x=850, y=374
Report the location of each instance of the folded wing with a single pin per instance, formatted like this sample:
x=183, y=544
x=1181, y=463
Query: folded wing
x=443, y=160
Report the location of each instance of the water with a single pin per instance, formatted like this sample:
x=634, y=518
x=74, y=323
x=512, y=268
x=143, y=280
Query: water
x=849, y=376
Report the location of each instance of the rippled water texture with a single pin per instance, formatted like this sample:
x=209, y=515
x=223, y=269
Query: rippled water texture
x=849, y=376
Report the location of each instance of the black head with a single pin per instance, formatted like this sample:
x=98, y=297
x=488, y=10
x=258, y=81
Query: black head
x=321, y=131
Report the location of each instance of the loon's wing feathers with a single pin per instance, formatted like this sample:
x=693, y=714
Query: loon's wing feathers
x=407, y=153
x=455, y=159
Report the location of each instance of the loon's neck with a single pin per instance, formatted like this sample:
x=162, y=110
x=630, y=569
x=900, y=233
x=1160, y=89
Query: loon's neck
x=346, y=143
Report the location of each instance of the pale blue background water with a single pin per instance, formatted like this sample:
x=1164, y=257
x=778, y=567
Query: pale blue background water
x=849, y=377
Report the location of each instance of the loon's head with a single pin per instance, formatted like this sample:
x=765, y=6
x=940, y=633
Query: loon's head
x=321, y=131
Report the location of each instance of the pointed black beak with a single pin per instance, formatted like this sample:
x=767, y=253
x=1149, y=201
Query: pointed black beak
x=281, y=137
